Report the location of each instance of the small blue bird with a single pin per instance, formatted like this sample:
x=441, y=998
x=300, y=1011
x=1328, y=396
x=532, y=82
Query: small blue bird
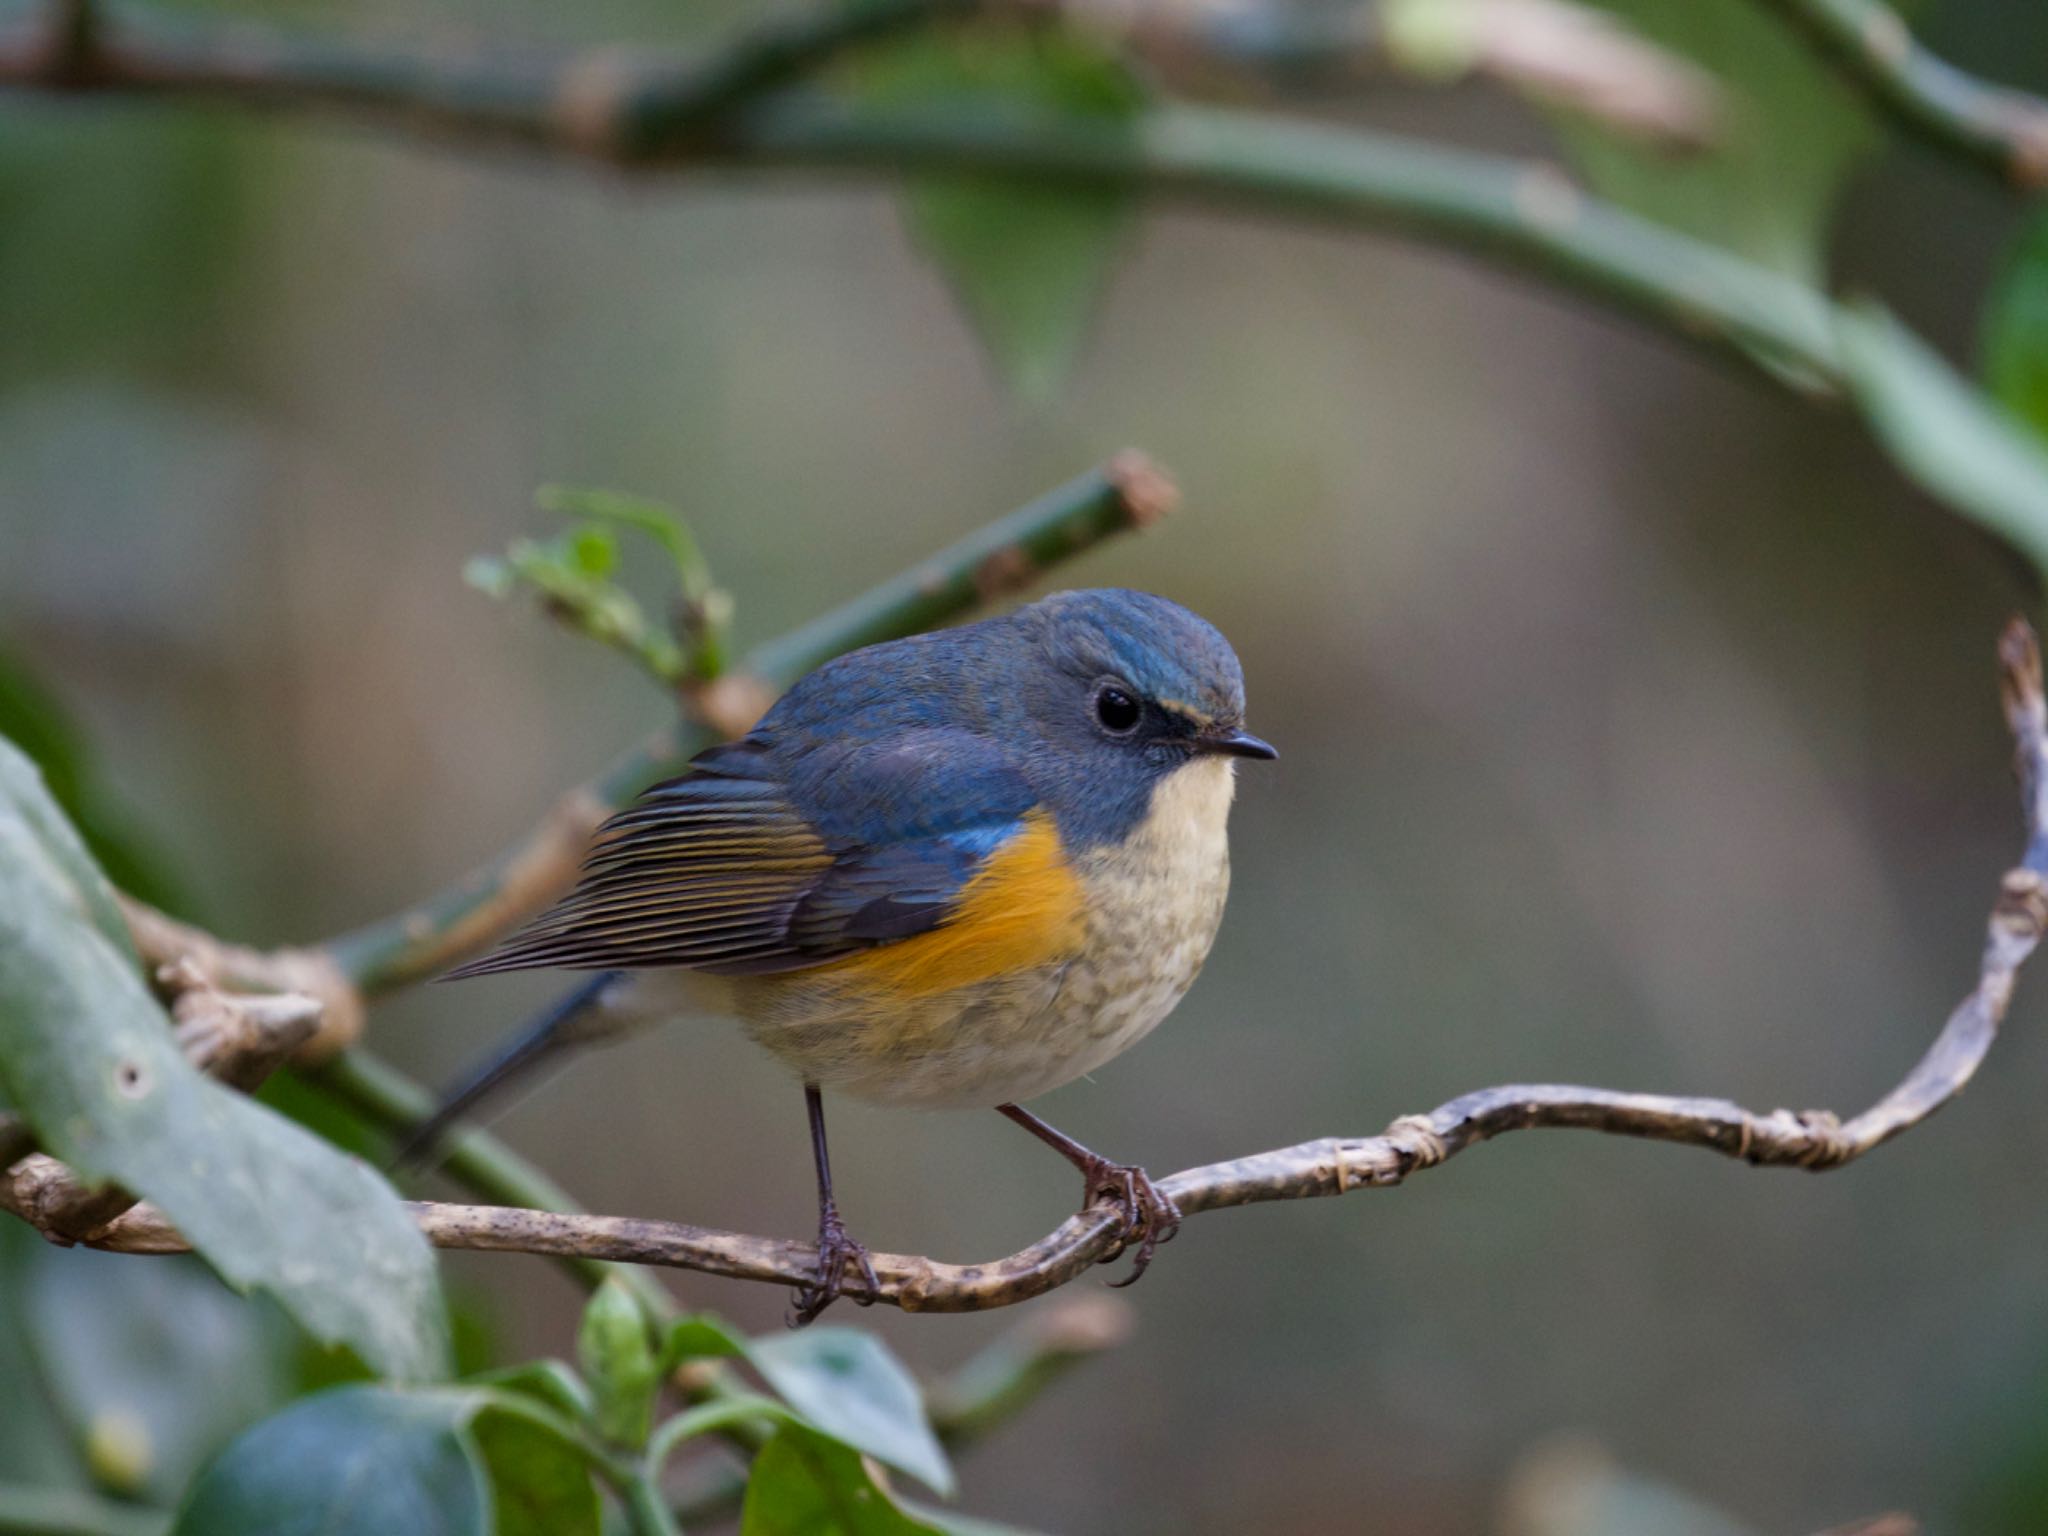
x=958, y=869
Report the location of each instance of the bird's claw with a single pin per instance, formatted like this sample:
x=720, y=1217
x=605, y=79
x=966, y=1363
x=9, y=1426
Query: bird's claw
x=837, y=1255
x=1149, y=1215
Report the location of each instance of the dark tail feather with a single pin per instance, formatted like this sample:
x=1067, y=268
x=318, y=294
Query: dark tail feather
x=551, y=1035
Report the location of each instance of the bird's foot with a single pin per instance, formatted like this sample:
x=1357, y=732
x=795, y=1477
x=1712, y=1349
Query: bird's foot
x=1149, y=1215
x=838, y=1257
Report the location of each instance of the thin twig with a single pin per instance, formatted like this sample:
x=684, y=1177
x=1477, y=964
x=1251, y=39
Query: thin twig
x=1814, y=1140
x=1999, y=129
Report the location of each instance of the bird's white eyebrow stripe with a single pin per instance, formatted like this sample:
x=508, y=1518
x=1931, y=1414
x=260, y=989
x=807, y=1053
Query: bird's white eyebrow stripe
x=1187, y=712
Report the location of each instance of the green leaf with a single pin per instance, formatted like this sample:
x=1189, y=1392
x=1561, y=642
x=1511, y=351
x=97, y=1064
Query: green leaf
x=700, y=1336
x=847, y=1384
x=375, y=1461
x=1793, y=133
x=618, y=1360
x=151, y=1367
x=803, y=1484
x=951, y=1524
x=87, y=1057
x=33, y=719
x=540, y=1484
x=1026, y=258
x=1954, y=441
x=548, y=1382
x=2016, y=328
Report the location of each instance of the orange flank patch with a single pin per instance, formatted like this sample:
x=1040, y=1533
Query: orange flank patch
x=1021, y=910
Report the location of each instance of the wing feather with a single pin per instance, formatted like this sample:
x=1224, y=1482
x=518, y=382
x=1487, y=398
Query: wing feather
x=722, y=870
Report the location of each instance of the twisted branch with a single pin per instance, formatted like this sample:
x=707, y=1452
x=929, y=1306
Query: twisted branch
x=1815, y=1140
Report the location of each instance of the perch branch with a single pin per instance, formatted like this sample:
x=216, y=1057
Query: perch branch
x=2002, y=130
x=1815, y=1140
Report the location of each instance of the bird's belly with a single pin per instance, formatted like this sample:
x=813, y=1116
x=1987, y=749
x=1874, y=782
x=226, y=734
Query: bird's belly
x=1152, y=909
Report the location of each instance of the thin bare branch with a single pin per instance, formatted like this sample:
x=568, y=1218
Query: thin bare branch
x=1815, y=1139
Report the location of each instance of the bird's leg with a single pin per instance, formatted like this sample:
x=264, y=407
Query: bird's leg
x=1150, y=1216
x=837, y=1253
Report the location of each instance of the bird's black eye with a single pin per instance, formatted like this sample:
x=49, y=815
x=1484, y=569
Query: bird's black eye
x=1117, y=710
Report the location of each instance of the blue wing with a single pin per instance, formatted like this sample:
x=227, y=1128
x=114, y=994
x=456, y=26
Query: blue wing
x=763, y=859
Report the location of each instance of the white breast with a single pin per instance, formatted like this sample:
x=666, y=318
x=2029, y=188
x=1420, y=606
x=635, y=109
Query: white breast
x=1155, y=903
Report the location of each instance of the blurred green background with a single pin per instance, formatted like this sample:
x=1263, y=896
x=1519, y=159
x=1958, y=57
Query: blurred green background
x=1638, y=727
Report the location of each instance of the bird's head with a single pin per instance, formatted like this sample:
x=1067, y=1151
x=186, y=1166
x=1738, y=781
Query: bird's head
x=1122, y=690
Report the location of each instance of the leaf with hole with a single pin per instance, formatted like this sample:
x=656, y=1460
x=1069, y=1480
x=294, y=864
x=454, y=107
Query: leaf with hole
x=87, y=1057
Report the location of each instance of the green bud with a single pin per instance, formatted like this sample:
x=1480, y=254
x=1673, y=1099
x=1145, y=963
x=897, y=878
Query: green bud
x=618, y=1361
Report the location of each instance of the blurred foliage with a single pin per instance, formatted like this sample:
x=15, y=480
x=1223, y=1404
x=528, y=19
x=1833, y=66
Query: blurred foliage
x=525, y=1451
x=121, y=254
x=2014, y=338
x=1962, y=447
x=2008, y=1487
x=87, y=1060
x=1794, y=133
x=144, y=230
x=1026, y=258
x=32, y=718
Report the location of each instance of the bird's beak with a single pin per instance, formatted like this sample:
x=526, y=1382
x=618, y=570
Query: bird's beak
x=1232, y=742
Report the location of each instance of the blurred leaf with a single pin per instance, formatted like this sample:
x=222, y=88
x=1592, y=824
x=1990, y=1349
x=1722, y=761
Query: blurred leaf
x=803, y=1484
x=951, y=1524
x=153, y=1367
x=2016, y=328
x=33, y=1447
x=700, y=1336
x=1793, y=133
x=1954, y=441
x=375, y=1461
x=548, y=1382
x=122, y=241
x=540, y=1483
x=848, y=1385
x=323, y=1114
x=2006, y=1478
x=618, y=1362
x=87, y=1056
x=32, y=718
x=1026, y=258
